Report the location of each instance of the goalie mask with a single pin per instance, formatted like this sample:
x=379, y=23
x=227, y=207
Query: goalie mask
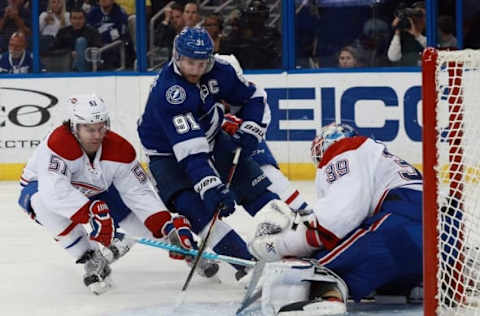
x=87, y=109
x=328, y=135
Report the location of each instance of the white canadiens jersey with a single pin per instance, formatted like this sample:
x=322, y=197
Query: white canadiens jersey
x=67, y=178
x=352, y=180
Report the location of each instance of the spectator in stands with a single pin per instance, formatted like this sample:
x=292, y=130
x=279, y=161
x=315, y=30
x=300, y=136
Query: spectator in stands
x=446, y=39
x=214, y=25
x=130, y=8
x=76, y=38
x=158, y=5
x=13, y=17
x=373, y=43
x=51, y=21
x=307, y=22
x=111, y=21
x=408, y=41
x=85, y=5
x=348, y=57
x=171, y=25
x=17, y=60
x=190, y=14
x=256, y=45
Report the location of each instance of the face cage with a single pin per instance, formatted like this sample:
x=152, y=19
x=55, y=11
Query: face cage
x=316, y=150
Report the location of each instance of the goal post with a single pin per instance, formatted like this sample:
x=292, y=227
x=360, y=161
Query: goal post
x=451, y=169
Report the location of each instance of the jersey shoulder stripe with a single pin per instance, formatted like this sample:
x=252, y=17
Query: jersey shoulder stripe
x=116, y=148
x=62, y=142
x=343, y=145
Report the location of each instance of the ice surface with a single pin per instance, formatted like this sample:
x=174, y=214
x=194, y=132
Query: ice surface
x=39, y=278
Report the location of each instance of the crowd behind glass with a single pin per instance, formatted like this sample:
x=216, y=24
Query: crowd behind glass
x=100, y=35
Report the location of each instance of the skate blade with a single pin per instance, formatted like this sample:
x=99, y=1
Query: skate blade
x=101, y=287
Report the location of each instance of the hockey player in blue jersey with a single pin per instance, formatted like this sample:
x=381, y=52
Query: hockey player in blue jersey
x=189, y=154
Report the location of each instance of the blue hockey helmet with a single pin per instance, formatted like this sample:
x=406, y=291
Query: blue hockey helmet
x=193, y=42
x=328, y=135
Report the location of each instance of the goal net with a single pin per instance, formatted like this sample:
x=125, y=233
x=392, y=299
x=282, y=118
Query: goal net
x=451, y=161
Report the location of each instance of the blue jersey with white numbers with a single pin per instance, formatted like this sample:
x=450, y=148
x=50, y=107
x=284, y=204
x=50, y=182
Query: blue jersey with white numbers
x=183, y=119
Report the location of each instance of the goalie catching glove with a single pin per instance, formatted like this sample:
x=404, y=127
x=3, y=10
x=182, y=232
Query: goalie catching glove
x=282, y=232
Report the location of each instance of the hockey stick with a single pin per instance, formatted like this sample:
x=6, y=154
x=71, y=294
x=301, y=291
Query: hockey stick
x=249, y=301
x=249, y=296
x=191, y=252
x=214, y=219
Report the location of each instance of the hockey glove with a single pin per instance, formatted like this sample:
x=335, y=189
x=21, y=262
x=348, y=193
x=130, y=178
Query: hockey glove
x=231, y=124
x=248, y=136
x=103, y=229
x=178, y=232
x=215, y=195
x=25, y=199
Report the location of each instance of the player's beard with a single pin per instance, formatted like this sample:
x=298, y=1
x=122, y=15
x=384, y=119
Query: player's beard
x=91, y=148
x=193, y=79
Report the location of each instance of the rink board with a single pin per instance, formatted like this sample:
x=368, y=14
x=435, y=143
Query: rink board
x=385, y=106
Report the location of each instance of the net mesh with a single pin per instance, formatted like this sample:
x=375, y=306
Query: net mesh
x=457, y=84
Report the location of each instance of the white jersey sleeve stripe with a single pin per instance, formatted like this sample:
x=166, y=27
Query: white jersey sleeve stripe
x=190, y=147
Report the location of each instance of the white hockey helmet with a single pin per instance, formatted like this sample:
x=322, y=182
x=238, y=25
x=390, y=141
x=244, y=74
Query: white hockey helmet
x=328, y=135
x=87, y=109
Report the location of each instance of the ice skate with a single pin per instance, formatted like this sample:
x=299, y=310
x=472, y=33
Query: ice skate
x=97, y=272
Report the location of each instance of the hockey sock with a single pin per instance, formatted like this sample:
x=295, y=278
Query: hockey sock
x=233, y=245
x=254, y=206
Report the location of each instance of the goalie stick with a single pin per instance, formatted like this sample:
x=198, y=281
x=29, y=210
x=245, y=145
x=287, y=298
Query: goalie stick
x=191, y=252
x=214, y=219
x=249, y=296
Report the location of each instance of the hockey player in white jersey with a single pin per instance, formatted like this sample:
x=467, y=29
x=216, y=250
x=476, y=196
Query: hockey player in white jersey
x=84, y=173
x=365, y=225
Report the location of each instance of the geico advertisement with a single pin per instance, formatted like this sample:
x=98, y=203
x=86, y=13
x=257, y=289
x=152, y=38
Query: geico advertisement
x=31, y=108
x=385, y=106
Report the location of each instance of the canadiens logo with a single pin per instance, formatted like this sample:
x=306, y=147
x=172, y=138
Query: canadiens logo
x=175, y=94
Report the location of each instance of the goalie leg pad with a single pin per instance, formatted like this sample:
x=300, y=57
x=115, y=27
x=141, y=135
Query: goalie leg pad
x=299, y=287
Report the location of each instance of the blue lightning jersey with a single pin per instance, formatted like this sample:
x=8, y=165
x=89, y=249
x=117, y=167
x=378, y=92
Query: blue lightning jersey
x=183, y=119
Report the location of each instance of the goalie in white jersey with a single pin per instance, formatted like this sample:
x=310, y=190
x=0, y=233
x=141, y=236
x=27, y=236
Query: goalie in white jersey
x=366, y=224
x=84, y=173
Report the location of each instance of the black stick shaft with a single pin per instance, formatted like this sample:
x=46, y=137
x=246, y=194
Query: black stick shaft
x=215, y=216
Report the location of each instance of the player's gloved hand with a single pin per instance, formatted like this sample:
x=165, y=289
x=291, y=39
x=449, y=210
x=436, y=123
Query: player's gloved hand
x=103, y=228
x=178, y=232
x=231, y=123
x=248, y=136
x=215, y=195
x=25, y=199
